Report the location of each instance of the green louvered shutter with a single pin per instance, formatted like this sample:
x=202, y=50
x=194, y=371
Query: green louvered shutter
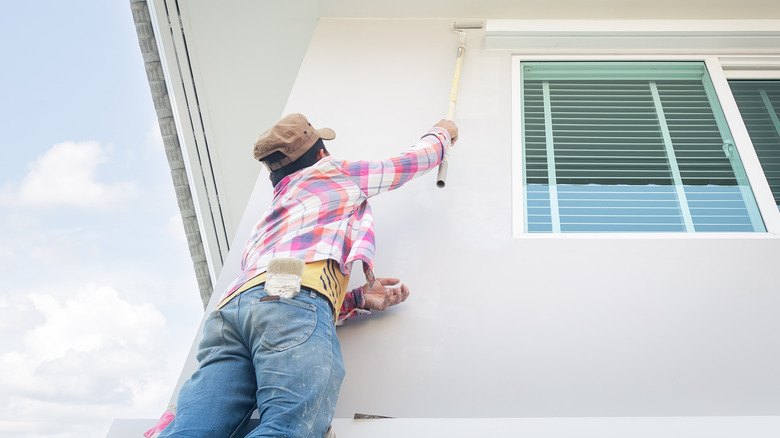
x=629, y=147
x=759, y=104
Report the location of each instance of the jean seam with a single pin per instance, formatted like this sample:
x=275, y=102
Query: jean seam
x=243, y=422
x=329, y=382
x=221, y=336
x=237, y=325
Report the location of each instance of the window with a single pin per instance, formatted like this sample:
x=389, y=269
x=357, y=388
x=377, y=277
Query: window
x=629, y=147
x=759, y=104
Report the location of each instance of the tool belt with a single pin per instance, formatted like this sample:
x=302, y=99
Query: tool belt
x=323, y=276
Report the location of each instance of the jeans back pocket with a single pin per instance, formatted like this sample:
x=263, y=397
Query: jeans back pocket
x=283, y=323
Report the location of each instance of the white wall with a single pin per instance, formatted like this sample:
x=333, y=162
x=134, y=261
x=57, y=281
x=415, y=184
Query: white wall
x=234, y=74
x=244, y=55
x=505, y=327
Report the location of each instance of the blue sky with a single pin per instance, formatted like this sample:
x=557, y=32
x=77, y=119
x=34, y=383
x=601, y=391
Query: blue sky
x=99, y=303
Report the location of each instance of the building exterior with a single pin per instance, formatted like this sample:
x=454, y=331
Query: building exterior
x=570, y=280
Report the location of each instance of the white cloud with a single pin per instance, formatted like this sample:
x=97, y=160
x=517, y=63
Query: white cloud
x=65, y=175
x=90, y=356
x=95, y=328
x=175, y=228
x=17, y=315
x=154, y=137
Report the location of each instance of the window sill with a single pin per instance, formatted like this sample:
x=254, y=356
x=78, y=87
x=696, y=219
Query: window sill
x=644, y=236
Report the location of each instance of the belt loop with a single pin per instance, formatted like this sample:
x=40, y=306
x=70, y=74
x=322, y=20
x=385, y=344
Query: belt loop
x=312, y=294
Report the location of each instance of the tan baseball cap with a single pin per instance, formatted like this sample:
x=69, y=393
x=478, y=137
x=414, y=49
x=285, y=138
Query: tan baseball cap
x=292, y=136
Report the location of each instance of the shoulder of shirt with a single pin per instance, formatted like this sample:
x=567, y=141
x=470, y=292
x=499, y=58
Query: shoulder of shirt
x=323, y=165
x=330, y=162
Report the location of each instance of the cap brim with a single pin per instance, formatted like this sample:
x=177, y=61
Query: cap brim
x=326, y=133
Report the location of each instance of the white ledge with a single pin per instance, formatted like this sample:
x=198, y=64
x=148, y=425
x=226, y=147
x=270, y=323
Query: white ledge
x=601, y=427
x=724, y=37
x=562, y=427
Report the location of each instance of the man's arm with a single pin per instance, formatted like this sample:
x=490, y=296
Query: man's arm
x=374, y=177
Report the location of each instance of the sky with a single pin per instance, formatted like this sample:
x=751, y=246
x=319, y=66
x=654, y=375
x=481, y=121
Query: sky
x=98, y=304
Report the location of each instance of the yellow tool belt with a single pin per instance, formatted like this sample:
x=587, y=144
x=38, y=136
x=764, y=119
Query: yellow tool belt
x=323, y=276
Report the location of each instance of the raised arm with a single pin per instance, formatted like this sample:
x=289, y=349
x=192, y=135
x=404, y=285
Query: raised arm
x=374, y=177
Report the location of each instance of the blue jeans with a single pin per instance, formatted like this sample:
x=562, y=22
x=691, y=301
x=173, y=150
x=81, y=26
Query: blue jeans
x=278, y=355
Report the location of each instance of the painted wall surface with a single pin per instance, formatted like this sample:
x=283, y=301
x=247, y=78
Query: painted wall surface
x=241, y=57
x=498, y=326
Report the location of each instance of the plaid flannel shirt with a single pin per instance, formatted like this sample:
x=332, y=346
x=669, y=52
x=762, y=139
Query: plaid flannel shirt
x=322, y=212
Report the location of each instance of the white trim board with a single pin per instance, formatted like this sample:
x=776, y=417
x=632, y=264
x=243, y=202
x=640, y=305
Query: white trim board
x=596, y=427
x=723, y=37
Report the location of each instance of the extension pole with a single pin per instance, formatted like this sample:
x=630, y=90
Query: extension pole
x=441, y=179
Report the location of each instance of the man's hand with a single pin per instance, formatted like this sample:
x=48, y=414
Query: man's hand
x=383, y=294
x=450, y=126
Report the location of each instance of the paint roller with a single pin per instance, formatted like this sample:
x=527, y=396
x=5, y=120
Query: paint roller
x=441, y=179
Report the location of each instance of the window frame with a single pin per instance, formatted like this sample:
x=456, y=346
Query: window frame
x=756, y=178
x=762, y=69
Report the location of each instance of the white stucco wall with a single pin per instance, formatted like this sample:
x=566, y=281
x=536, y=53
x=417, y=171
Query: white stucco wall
x=522, y=327
x=230, y=66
